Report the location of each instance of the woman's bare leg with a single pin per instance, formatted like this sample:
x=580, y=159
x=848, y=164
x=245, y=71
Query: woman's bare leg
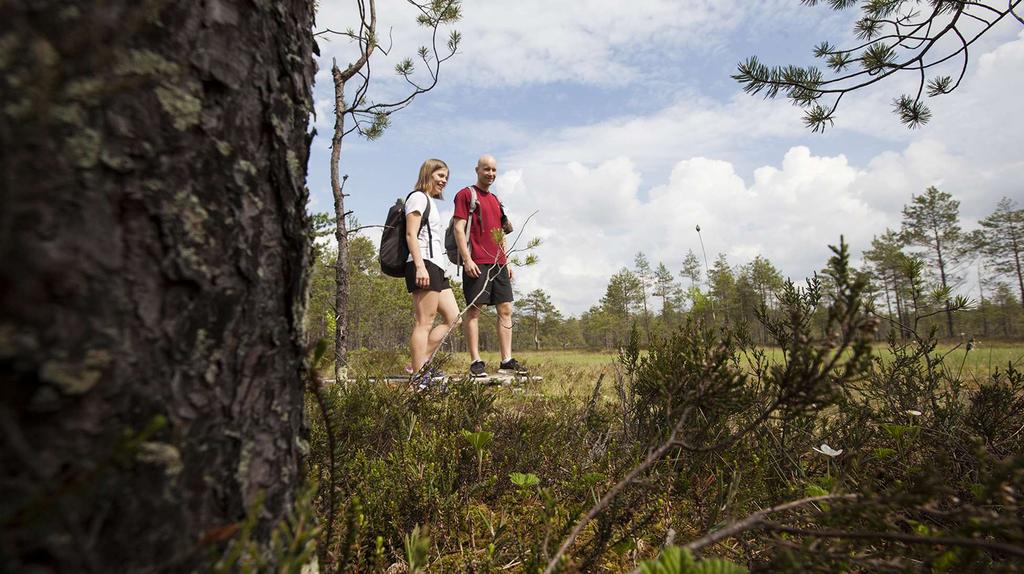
x=449, y=309
x=425, y=308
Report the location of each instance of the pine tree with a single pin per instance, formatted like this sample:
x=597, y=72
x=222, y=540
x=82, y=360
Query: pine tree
x=645, y=277
x=666, y=288
x=1001, y=241
x=893, y=37
x=932, y=222
x=885, y=263
x=154, y=283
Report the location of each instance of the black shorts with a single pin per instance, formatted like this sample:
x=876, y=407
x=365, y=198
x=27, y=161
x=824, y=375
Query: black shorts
x=438, y=282
x=497, y=289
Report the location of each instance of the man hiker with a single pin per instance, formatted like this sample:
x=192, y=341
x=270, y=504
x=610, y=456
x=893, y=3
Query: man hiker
x=486, y=277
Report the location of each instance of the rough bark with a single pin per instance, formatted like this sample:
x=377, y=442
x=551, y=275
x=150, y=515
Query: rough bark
x=153, y=258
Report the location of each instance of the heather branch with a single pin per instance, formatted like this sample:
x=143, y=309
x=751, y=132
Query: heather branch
x=596, y=509
x=897, y=537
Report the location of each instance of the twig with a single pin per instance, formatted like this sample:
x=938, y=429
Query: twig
x=898, y=537
x=756, y=519
x=652, y=458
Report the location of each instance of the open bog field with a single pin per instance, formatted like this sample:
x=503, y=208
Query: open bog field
x=575, y=372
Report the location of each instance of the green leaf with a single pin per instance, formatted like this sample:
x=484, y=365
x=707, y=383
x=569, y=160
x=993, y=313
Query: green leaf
x=717, y=566
x=814, y=490
x=479, y=440
x=526, y=480
x=318, y=353
x=884, y=452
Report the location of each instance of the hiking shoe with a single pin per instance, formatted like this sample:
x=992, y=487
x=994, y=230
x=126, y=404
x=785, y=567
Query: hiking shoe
x=512, y=367
x=428, y=378
x=478, y=370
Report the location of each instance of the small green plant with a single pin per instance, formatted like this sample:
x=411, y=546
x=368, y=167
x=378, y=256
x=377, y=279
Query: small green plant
x=675, y=560
x=524, y=481
x=417, y=549
x=480, y=441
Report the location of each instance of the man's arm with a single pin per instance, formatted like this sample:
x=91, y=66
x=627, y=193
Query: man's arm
x=463, y=244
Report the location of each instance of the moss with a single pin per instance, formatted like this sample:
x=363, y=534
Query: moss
x=45, y=55
x=185, y=209
x=116, y=162
x=280, y=128
x=76, y=378
x=10, y=45
x=83, y=147
x=294, y=167
x=243, y=170
x=213, y=368
x=161, y=454
x=69, y=13
x=181, y=105
x=18, y=109
x=69, y=114
x=8, y=341
x=145, y=63
x=83, y=88
x=192, y=215
x=224, y=148
x=242, y=471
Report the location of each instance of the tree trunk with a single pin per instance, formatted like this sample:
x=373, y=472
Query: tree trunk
x=340, y=234
x=154, y=251
x=942, y=275
x=1017, y=268
x=900, y=315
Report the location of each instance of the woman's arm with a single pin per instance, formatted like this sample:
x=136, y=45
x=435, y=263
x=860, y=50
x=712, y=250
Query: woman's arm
x=412, y=240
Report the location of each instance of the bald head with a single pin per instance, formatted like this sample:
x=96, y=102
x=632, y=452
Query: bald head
x=486, y=171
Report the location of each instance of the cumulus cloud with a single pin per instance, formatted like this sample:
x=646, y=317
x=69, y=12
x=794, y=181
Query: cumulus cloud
x=593, y=42
x=593, y=220
x=596, y=210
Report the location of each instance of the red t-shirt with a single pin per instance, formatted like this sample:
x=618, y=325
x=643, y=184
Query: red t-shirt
x=486, y=219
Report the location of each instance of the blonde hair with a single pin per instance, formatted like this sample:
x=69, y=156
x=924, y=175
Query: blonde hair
x=424, y=183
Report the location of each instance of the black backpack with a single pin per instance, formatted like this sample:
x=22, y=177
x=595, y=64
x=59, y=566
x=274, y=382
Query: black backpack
x=394, y=251
x=451, y=246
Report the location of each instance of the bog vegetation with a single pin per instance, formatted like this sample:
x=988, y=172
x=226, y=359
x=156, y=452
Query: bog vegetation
x=770, y=426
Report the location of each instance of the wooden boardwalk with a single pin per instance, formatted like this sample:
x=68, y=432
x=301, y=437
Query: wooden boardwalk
x=491, y=380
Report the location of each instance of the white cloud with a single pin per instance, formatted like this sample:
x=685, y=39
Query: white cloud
x=592, y=42
x=593, y=220
x=596, y=211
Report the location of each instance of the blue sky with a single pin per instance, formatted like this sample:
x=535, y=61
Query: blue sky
x=618, y=124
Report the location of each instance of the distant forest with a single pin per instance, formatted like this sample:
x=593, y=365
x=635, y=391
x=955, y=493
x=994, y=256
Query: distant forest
x=918, y=275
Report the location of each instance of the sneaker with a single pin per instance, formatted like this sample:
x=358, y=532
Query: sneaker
x=512, y=367
x=428, y=378
x=478, y=370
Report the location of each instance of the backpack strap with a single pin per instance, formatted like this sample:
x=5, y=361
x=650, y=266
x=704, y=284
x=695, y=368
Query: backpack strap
x=474, y=207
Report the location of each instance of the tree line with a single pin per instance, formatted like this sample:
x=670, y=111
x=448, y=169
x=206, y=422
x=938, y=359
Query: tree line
x=919, y=274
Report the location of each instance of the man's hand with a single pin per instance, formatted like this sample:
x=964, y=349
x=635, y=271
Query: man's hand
x=471, y=269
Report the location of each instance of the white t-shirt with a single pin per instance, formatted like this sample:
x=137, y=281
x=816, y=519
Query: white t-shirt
x=418, y=202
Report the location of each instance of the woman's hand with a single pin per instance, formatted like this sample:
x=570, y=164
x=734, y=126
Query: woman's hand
x=422, y=277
